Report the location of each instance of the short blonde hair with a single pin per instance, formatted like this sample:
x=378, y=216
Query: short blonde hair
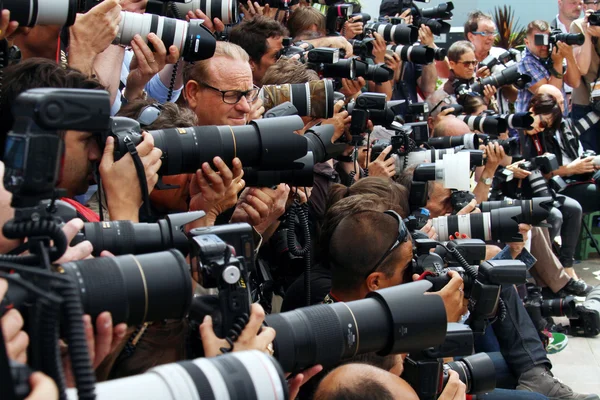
x=199, y=71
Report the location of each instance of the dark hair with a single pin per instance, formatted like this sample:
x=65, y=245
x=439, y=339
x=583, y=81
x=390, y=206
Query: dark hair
x=367, y=388
x=303, y=18
x=537, y=25
x=252, y=35
x=543, y=103
x=288, y=70
x=471, y=103
x=171, y=115
x=457, y=49
x=357, y=244
x=472, y=23
x=36, y=73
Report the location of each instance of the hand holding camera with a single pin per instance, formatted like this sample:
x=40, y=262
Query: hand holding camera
x=216, y=25
x=581, y=166
x=352, y=27
x=383, y=165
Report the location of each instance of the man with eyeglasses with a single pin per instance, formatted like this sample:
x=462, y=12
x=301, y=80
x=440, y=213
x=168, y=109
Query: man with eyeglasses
x=220, y=90
x=481, y=31
x=543, y=67
x=588, y=60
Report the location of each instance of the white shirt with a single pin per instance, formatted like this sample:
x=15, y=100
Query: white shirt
x=564, y=29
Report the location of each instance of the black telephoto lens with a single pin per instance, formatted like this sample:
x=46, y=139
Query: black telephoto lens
x=341, y=69
x=134, y=289
x=477, y=372
x=325, y=334
x=41, y=12
x=562, y=307
x=378, y=73
x=533, y=211
x=571, y=39
x=299, y=177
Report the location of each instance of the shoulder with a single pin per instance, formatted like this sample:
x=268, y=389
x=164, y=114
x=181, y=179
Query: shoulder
x=577, y=26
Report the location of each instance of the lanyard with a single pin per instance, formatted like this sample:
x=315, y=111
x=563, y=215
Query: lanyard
x=538, y=145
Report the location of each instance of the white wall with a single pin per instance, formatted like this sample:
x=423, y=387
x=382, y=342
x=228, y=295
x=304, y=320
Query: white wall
x=525, y=10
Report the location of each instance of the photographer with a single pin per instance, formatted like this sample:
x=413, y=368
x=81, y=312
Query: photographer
x=543, y=67
x=586, y=94
x=306, y=21
x=82, y=150
x=481, y=31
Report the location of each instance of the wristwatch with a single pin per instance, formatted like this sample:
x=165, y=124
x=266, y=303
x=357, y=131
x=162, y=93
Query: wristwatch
x=486, y=181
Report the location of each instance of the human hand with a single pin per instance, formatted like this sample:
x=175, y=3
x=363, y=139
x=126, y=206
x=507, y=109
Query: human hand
x=216, y=25
x=518, y=172
x=300, y=194
x=557, y=58
x=300, y=379
x=581, y=166
x=489, y=92
x=214, y=192
x=101, y=344
x=455, y=389
x=590, y=30
x=95, y=30
x=260, y=207
x=81, y=250
x=379, y=48
x=408, y=19
x=483, y=72
x=249, y=339
x=254, y=9
x=7, y=27
x=256, y=109
x=393, y=61
x=352, y=28
x=352, y=87
x=120, y=179
x=426, y=36
x=340, y=120
x=147, y=63
x=494, y=154
x=453, y=296
x=16, y=339
x=565, y=50
x=381, y=166
x=429, y=230
x=469, y=208
x=135, y=6
x=42, y=387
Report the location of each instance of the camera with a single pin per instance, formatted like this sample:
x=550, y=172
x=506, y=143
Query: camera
x=543, y=39
x=418, y=156
x=491, y=62
x=225, y=10
x=533, y=211
x=399, y=34
x=539, y=309
x=460, y=199
x=539, y=166
x=363, y=49
x=522, y=120
x=591, y=153
x=374, y=107
x=594, y=18
x=432, y=17
x=417, y=54
x=193, y=40
x=452, y=171
x=511, y=145
x=508, y=76
x=290, y=49
x=490, y=124
x=336, y=16
x=468, y=141
x=312, y=99
x=323, y=55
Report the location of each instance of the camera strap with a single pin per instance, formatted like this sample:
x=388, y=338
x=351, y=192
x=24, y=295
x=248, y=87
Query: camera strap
x=141, y=173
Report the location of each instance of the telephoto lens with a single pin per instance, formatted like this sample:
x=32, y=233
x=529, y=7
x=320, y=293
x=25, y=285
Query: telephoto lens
x=268, y=143
x=572, y=39
x=508, y=76
x=41, y=12
x=126, y=237
x=242, y=375
x=311, y=99
x=539, y=185
x=470, y=141
x=493, y=125
x=433, y=155
x=299, y=177
x=341, y=69
x=377, y=73
x=225, y=10
x=533, y=211
x=522, y=120
x=134, y=289
x=417, y=54
x=193, y=40
x=477, y=372
x=497, y=225
x=328, y=333
x=399, y=34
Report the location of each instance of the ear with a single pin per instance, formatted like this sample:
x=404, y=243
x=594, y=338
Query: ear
x=252, y=65
x=190, y=92
x=470, y=37
x=452, y=64
x=374, y=281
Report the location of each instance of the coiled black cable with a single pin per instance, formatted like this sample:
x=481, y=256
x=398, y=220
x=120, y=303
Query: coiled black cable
x=301, y=211
x=234, y=333
x=173, y=78
x=47, y=338
x=42, y=227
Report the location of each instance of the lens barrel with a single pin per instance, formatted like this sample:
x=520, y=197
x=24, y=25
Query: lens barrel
x=325, y=334
x=41, y=12
x=477, y=372
x=491, y=124
x=417, y=54
x=134, y=289
x=311, y=99
x=225, y=10
x=399, y=34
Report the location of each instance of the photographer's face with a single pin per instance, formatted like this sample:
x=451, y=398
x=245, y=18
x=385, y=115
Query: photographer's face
x=269, y=58
x=538, y=51
x=465, y=67
x=540, y=123
x=81, y=152
x=483, y=43
x=378, y=280
x=438, y=202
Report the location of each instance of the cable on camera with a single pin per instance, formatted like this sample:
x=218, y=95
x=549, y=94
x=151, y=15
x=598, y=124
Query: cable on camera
x=301, y=211
x=234, y=333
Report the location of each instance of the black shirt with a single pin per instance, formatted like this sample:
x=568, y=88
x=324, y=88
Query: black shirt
x=320, y=285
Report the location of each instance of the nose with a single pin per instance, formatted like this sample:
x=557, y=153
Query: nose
x=243, y=105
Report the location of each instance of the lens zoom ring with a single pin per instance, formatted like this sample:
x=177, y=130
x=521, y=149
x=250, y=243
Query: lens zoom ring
x=126, y=240
x=328, y=333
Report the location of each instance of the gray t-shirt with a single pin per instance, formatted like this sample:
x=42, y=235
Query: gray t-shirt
x=581, y=94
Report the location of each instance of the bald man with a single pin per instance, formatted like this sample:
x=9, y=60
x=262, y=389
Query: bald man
x=553, y=91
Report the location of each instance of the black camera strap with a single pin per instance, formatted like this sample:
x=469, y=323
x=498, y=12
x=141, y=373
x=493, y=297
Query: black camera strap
x=141, y=173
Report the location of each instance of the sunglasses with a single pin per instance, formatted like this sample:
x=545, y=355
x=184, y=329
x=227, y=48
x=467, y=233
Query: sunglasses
x=149, y=114
x=446, y=100
x=401, y=238
x=469, y=63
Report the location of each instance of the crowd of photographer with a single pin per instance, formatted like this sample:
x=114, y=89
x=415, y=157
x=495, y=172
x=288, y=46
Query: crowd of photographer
x=273, y=200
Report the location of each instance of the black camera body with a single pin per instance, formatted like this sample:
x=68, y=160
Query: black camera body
x=460, y=199
x=545, y=163
x=594, y=18
x=542, y=39
x=336, y=16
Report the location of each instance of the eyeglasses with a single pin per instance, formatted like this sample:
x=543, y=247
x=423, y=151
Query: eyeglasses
x=468, y=63
x=234, y=96
x=401, y=238
x=486, y=34
x=446, y=100
x=149, y=114
x=592, y=3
